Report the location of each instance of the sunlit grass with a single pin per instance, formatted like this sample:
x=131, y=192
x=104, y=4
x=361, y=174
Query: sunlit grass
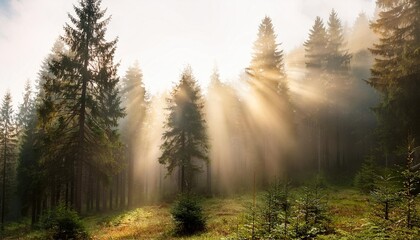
x=141, y=223
x=351, y=214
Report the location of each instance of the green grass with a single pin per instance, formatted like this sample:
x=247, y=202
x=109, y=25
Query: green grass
x=350, y=210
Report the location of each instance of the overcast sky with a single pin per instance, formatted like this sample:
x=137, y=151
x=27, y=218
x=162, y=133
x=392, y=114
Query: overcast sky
x=163, y=35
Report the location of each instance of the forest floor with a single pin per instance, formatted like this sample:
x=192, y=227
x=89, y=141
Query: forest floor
x=350, y=213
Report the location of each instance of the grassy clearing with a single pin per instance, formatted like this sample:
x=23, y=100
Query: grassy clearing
x=350, y=212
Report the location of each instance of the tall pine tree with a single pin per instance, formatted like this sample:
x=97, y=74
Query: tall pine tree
x=338, y=58
x=316, y=46
x=185, y=139
x=395, y=73
x=267, y=66
x=8, y=148
x=268, y=82
x=33, y=173
x=87, y=102
x=134, y=100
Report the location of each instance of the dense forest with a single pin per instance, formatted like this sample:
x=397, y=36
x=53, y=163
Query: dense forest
x=340, y=111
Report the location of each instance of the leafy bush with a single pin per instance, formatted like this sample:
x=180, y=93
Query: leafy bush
x=188, y=215
x=63, y=223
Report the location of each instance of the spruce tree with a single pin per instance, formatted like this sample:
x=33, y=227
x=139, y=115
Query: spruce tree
x=267, y=66
x=25, y=109
x=338, y=58
x=185, y=140
x=25, y=124
x=36, y=174
x=395, y=73
x=268, y=83
x=316, y=46
x=87, y=101
x=134, y=100
x=8, y=148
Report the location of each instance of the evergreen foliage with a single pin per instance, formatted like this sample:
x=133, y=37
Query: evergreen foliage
x=36, y=122
x=411, y=178
x=26, y=109
x=27, y=161
x=83, y=101
x=188, y=215
x=63, y=223
x=8, y=151
x=316, y=46
x=365, y=178
x=312, y=217
x=395, y=73
x=135, y=102
x=275, y=212
x=385, y=194
x=185, y=140
x=337, y=59
x=267, y=64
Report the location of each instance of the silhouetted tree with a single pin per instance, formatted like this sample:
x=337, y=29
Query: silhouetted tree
x=185, y=140
x=267, y=66
x=316, y=46
x=338, y=58
x=8, y=147
x=135, y=102
x=26, y=124
x=395, y=73
x=268, y=82
x=87, y=101
x=25, y=110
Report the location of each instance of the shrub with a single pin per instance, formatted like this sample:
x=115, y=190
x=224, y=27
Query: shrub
x=312, y=216
x=275, y=211
x=365, y=178
x=63, y=223
x=385, y=195
x=270, y=216
x=188, y=215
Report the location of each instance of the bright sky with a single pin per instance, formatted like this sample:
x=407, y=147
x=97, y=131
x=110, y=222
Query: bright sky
x=163, y=35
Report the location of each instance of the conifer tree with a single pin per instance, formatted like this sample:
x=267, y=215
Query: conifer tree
x=134, y=100
x=267, y=66
x=8, y=148
x=26, y=124
x=316, y=46
x=185, y=140
x=395, y=73
x=33, y=173
x=87, y=101
x=338, y=58
x=25, y=109
x=268, y=82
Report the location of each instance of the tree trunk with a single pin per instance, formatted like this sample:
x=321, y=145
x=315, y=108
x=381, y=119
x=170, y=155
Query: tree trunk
x=104, y=198
x=110, y=197
x=33, y=210
x=98, y=195
x=130, y=171
x=122, y=189
x=117, y=190
x=208, y=178
x=183, y=164
x=81, y=124
x=89, y=190
x=67, y=195
x=3, y=194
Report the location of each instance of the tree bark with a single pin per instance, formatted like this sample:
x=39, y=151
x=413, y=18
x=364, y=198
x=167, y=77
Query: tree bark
x=130, y=171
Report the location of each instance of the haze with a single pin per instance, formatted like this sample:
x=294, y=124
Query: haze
x=164, y=36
